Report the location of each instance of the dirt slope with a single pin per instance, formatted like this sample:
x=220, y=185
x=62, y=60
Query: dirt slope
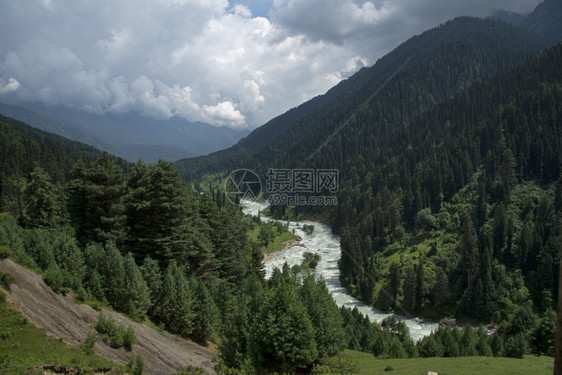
x=162, y=353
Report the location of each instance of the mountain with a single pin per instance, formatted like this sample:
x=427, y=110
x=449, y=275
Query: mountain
x=435, y=66
x=544, y=21
x=448, y=151
x=131, y=136
x=25, y=147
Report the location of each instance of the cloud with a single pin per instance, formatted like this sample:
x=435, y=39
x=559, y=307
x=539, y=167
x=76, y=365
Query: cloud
x=376, y=27
x=11, y=86
x=225, y=59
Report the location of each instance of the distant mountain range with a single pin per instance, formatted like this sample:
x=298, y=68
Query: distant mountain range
x=130, y=136
x=545, y=20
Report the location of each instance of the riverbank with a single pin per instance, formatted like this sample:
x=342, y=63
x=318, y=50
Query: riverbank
x=326, y=244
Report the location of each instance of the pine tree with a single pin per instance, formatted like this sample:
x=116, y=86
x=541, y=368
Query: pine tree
x=233, y=346
x=206, y=319
x=77, y=202
x=104, y=190
x=175, y=304
x=153, y=276
x=440, y=291
x=409, y=290
x=506, y=171
x=163, y=220
x=468, y=249
x=95, y=202
x=467, y=344
x=282, y=338
x=485, y=297
x=420, y=286
x=114, y=277
x=543, y=335
x=42, y=205
x=324, y=316
x=136, y=292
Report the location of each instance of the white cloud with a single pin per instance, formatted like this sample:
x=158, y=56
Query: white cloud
x=11, y=86
x=243, y=70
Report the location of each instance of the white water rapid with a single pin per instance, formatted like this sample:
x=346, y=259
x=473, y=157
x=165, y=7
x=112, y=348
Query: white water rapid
x=323, y=242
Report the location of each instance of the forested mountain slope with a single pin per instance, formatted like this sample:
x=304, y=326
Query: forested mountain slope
x=436, y=65
x=476, y=183
x=448, y=178
x=543, y=21
x=130, y=136
x=24, y=148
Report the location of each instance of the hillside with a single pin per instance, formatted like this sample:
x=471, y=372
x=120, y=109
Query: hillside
x=449, y=170
x=24, y=148
x=162, y=353
x=436, y=65
x=544, y=21
x=130, y=136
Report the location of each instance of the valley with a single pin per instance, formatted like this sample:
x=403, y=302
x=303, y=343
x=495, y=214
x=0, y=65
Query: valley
x=324, y=243
x=410, y=156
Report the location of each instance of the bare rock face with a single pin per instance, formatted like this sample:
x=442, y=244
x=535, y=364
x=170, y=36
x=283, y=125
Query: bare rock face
x=162, y=353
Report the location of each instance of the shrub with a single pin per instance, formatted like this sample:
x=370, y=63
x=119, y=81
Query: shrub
x=6, y=280
x=4, y=252
x=88, y=345
x=129, y=338
x=337, y=365
x=135, y=366
x=117, y=336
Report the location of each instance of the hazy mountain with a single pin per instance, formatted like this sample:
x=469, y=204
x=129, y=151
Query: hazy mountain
x=545, y=20
x=130, y=136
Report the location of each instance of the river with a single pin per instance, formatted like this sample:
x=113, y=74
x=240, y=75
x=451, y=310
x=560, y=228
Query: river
x=323, y=242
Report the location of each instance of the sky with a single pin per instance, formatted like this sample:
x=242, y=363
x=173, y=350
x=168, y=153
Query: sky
x=232, y=63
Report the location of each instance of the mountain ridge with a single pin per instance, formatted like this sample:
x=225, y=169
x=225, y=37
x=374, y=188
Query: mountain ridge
x=130, y=136
x=354, y=91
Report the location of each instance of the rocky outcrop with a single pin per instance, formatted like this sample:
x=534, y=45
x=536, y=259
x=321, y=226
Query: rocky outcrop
x=161, y=352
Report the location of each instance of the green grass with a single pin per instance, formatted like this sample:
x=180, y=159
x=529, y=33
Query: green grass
x=24, y=346
x=452, y=366
x=276, y=244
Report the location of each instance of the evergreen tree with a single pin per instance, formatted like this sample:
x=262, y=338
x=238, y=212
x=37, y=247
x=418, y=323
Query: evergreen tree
x=163, y=220
x=324, y=316
x=468, y=264
x=282, y=338
x=409, y=290
x=420, y=286
x=467, y=344
x=430, y=347
x=175, y=305
x=77, y=202
x=153, y=276
x=95, y=202
x=104, y=190
x=136, y=292
x=206, y=320
x=440, y=291
x=114, y=277
x=42, y=205
x=484, y=297
x=506, y=171
x=544, y=334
